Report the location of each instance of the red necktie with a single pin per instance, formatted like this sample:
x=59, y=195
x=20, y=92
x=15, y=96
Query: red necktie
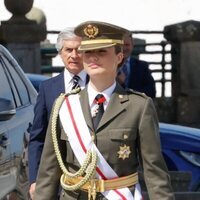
x=99, y=100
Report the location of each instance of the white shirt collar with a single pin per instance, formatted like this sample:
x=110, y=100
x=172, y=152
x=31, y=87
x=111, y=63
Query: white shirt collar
x=92, y=93
x=69, y=82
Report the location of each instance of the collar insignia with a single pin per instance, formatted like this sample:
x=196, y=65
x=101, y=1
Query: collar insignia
x=91, y=31
x=124, y=152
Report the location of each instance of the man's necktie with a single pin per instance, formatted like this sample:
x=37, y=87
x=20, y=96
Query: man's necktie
x=75, y=82
x=99, y=100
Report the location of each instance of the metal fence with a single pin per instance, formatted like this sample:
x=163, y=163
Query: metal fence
x=157, y=52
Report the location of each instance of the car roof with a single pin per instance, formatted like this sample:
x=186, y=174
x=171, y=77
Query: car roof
x=38, y=77
x=179, y=130
x=179, y=137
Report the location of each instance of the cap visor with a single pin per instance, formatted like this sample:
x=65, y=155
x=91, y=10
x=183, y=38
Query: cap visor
x=95, y=46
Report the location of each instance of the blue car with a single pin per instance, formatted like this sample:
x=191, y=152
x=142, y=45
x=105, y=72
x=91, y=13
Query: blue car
x=36, y=79
x=181, y=150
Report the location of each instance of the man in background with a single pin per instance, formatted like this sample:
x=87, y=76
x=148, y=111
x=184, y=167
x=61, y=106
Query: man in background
x=73, y=76
x=134, y=73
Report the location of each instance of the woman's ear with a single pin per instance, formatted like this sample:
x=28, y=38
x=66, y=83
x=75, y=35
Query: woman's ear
x=120, y=57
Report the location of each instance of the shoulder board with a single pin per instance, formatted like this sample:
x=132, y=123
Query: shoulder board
x=131, y=91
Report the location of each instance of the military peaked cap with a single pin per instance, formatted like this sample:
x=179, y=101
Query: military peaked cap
x=97, y=35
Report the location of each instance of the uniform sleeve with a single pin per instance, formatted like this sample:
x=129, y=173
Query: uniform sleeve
x=48, y=179
x=37, y=135
x=155, y=171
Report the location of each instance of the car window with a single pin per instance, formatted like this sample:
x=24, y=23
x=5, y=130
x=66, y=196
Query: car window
x=13, y=86
x=5, y=91
x=20, y=86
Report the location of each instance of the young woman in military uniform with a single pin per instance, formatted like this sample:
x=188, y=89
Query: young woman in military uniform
x=97, y=137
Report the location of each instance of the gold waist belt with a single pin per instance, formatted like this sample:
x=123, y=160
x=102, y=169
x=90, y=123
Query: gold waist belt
x=104, y=185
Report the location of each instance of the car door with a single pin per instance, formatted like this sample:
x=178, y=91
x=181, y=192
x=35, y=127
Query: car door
x=6, y=178
x=18, y=89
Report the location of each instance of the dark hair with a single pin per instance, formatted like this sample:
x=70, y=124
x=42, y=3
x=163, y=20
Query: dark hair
x=129, y=35
x=118, y=48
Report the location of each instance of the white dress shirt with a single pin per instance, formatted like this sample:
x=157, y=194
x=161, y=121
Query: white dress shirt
x=92, y=93
x=68, y=79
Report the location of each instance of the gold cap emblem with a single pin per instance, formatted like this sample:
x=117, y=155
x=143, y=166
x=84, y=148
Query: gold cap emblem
x=91, y=31
x=124, y=152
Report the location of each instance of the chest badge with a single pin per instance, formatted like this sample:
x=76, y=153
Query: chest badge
x=124, y=152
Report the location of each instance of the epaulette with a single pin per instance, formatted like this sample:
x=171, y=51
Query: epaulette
x=131, y=91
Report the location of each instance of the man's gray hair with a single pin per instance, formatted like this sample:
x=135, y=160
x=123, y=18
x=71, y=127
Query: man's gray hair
x=66, y=34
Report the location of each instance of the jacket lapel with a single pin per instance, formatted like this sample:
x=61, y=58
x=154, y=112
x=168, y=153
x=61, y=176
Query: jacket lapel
x=116, y=105
x=54, y=87
x=59, y=85
x=86, y=108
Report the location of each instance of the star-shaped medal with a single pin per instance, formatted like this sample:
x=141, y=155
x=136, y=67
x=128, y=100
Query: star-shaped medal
x=124, y=152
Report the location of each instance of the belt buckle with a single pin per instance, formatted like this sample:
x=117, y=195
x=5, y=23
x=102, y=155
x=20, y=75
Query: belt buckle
x=101, y=185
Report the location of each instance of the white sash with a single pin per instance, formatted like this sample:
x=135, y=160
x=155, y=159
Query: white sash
x=80, y=140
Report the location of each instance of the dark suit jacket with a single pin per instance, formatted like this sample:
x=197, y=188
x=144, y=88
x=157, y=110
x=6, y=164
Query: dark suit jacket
x=129, y=113
x=140, y=78
x=48, y=92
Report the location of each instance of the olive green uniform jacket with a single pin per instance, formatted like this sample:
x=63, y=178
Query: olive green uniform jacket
x=128, y=113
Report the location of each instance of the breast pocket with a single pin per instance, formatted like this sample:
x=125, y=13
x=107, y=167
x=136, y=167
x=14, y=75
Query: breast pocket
x=122, y=145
